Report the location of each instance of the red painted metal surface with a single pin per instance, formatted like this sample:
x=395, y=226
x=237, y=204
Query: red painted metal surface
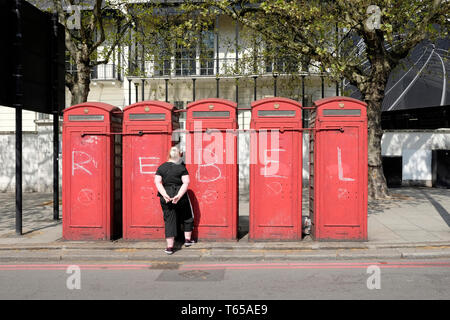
x=91, y=172
x=276, y=170
x=339, y=170
x=147, y=128
x=211, y=159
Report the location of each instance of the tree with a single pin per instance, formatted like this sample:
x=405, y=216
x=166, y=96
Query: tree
x=86, y=26
x=160, y=32
x=94, y=29
x=327, y=32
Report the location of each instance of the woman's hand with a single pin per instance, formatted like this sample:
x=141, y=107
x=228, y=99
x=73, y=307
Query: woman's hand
x=176, y=199
x=167, y=198
x=161, y=190
x=183, y=189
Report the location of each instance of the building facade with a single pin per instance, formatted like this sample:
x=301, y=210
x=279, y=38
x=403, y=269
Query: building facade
x=221, y=65
x=216, y=67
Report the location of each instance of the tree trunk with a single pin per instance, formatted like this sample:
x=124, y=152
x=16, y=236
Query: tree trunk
x=377, y=186
x=82, y=80
x=79, y=93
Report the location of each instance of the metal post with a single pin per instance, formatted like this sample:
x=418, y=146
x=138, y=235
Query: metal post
x=113, y=64
x=193, y=89
x=129, y=91
x=136, y=85
x=304, y=113
x=142, y=89
x=254, y=87
x=337, y=88
x=217, y=87
x=18, y=169
x=323, y=88
x=56, y=164
x=303, y=92
x=237, y=90
x=167, y=90
x=18, y=101
x=275, y=85
x=119, y=63
x=55, y=110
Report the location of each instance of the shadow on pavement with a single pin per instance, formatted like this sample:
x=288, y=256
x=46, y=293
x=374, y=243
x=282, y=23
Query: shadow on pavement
x=445, y=215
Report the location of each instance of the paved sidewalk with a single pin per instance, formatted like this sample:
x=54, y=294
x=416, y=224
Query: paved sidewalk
x=415, y=223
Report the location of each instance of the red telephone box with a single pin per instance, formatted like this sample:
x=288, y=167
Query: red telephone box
x=338, y=188
x=276, y=170
x=92, y=172
x=211, y=160
x=147, y=129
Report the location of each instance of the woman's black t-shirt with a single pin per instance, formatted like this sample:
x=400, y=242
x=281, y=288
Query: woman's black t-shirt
x=171, y=173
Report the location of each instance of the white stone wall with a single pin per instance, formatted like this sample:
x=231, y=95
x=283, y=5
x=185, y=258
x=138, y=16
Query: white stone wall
x=8, y=120
x=415, y=149
x=37, y=160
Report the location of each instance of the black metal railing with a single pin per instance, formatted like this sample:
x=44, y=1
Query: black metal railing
x=109, y=71
x=198, y=67
x=186, y=67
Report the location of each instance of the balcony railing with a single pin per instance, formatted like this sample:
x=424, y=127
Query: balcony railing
x=203, y=67
x=199, y=67
x=108, y=71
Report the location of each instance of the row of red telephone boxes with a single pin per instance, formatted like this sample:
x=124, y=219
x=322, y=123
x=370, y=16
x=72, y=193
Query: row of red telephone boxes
x=110, y=157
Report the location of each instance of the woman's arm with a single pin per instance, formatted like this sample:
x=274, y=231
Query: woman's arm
x=183, y=189
x=160, y=187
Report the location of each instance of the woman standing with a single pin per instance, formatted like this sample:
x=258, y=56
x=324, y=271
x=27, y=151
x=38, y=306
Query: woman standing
x=172, y=181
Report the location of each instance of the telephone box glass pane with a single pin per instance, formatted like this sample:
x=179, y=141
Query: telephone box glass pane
x=211, y=114
x=86, y=118
x=149, y=116
x=338, y=112
x=276, y=113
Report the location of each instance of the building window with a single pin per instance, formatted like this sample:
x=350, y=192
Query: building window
x=162, y=67
x=43, y=116
x=277, y=61
x=163, y=61
x=207, y=53
x=185, y=64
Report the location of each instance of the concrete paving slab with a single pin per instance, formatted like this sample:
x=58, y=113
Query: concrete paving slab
x=417, y=236
x=441, y=235
x=385, y=236
x=413, y=217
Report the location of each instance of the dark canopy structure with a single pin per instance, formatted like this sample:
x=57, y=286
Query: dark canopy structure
x=32, y=75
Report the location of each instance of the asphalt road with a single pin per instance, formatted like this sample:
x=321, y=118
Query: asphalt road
x=406, y=279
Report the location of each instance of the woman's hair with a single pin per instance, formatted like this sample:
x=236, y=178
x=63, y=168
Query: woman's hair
x=174, y=153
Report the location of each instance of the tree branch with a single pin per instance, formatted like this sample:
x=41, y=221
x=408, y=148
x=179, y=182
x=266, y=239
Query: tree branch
x=70, y=44
x=97, y=17
x=419, y=33
x=119, y=35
